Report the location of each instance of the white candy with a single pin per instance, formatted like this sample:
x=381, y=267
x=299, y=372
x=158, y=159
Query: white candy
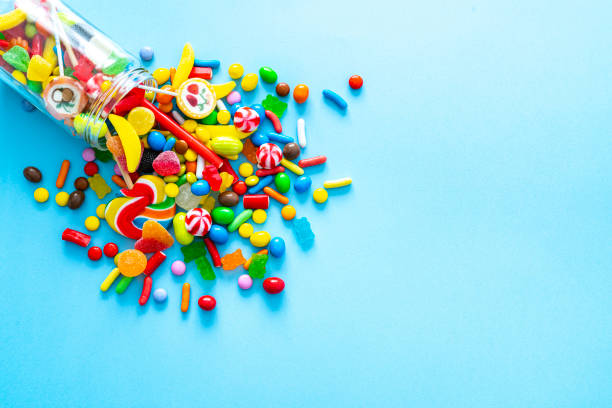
x=301, y=132
x=200, y=163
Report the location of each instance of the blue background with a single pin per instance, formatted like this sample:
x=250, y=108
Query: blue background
x=469, y=264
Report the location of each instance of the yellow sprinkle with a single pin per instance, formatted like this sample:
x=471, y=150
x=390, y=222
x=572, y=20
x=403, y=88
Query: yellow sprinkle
x=338, y=183
x=109, y=280
x=292, y=167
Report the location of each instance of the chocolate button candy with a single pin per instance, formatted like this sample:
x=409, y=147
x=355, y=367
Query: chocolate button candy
x=282, y=89
x=228, y=199
x=75, y=200
x=81, y=183
x=181, y=146
x=291, y=151
x=32, y=174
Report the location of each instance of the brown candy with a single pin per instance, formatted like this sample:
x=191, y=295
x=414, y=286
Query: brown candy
x=75, y=199
x=229, y=199
x=181, y=147
x=291, y=151
x=282, y=89
x=81, y=183
x=32, y=174
x=67, y=95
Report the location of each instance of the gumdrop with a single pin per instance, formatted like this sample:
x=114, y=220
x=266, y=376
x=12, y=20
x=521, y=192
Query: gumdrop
x=167, y=164
x=97, y=184
x=18, y=58
x=131, y=262
x=154, y=238
x=233, y=260
x=257, y=269
x=205, y=268
x=193, y=251
x=186, y=199
x=303, y=233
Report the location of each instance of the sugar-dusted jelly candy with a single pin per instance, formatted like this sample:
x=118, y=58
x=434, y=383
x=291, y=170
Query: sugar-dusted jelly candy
x=233, y=260
x=186, y=199
x=205, y=268
x=273, y=104
x=39, y=69
x=17, y=57
x=131, y=262
x=257, y=269
x=98, y=184
x=193, y=251
x=64, y=97
x=303, y=232
x=154, y=238
x=167, y=164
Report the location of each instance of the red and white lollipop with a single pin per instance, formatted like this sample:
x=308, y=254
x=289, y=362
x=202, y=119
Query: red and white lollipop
x=198, y=222
x=269, y=155
x=246, y=120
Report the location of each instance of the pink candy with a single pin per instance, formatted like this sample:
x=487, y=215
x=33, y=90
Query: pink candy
x=167, y=164
x=246, y=120
x=233, y=97
x=269, y=155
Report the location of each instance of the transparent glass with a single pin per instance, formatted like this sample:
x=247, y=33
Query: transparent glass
x=97, y=72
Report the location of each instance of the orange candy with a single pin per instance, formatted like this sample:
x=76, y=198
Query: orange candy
x=300, y=93
x=248, y=263
x=131, y=262
x=154, y=237
x=165, y=107
x=165, y=98
x=250, y=151
x=172, y=72
x=233, y=260
x=191, y=167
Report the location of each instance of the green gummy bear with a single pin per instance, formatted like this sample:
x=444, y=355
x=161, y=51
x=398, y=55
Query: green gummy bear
x=117, y=66
x=18, y=58
x=103, y=155
x=205, y=268
x=257, y=269
x=193, y=251
x=98, y=184
x=273, y=104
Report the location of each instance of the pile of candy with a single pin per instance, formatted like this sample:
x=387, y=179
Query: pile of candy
x=176, y=158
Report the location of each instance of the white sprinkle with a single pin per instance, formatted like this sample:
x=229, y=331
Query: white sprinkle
x=178, y=117
x=200, y=163
x=301, y=131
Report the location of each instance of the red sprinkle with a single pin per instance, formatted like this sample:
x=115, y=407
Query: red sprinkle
x=313, y=161
x=278, y=128
x=91, y=168
x=94, y=253
x=76, y=237
x=268, y=172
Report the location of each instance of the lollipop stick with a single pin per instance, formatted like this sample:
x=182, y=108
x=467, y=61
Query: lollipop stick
x=58, y=44
x=157, y=90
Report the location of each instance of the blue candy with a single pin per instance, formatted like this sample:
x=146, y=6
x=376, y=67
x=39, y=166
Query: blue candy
x=218, y=234
x=261, y=111
x=264, y=181
x=233, y=108
x=277, y=137
x=156, y=141
x=169, y=144
x=335, y=98
x=160, y=295
x=200, y=188
x=146, y=53
x=277, y=247
x=258, y=139
x=303, y=232
x=302, y=184
x=214, y=64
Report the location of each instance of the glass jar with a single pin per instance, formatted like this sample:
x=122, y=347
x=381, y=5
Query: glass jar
x=97, y=72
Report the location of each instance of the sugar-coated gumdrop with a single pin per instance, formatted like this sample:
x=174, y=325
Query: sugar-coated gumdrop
x=98, y=184
x=233, y=260
x=131, y=262
x=186, y=199
x=18, y=58
x=193, y=251
x=303, y=233
x=205, y=268
x=154, y=238
x=167, y=164
x=257, y=269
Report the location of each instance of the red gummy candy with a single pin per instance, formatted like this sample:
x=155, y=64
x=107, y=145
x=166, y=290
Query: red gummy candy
x=211, y=174
x=167, y=164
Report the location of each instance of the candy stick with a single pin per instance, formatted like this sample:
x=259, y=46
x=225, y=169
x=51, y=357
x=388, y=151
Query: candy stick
x=123, y=284
x=292, y=167
x=108, y=281
x=61, y=177
x=146, y=290
x=185, y=297
x=338, y=183
x=268, y=172
x=301, y=132
x=154, y=262
x=76, y=237
x=276, y=195
x=312, y=161
x=278, y=128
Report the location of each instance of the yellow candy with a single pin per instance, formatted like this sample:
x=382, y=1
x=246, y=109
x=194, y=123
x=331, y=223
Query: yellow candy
x=338, y=183
x=208, y=203
x=226, y=145
x=39, y=69
x=171, y=179
x=92, y=223
x=222, y=90
x=226, y=181
x=41, y=194
x=260, y=239
x=245, y=169
x=191, y=177
x=251, y=180
x=181, y=158
x=116, y=260
x=235, y=71
x=245, y=230
x=180, y=230
x=190, y=125
x=46, y=83
x=171, y=190
x=142, y=120
x=61, y=198
x=184, y=67
x=292, y=167
x=288, y=212
x=49, y=53
x=19, y=76
x=259, y=216
x=129, y=140
x=208, y=132
x=182, y=170
x=320, y=195
x=190, y=155
x=249, y=82
x=149, y=95
x=12, y=19
x=100, y=210
x=105, y=85
x=108, y=281
x=161, y=75
x=223, y=117
x=202, y=134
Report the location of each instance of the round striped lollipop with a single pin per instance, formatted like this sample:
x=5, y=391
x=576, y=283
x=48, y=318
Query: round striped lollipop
x=198, y=221
x=246, y=120
x=269, y=155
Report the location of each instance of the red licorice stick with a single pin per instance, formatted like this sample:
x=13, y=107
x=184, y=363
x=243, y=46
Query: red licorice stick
x=154, y=262
x=256, y=201
x=201, y=72
x=146, y=290
x=278, y=128
x=269, y=172
x=4, y=44
x=313, y=161
x=214, y=254
x=227, y=168
x=76, y=237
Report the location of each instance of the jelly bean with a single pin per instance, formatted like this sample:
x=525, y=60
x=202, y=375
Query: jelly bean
x=75, y=199
x=268, y=75
x=218, y=234
x=277, y=247
x=282, y=182
x=273, y=285
x=178, y=268
x=288, y=212
x=335, y=98
x=200, y=187
x=258, y=139
x=92, y=223
x=161, y=75
x=245, y=282
x=259, y=216
x=207, y=303
x=229, y=199
x=277, y=137
x=251, y=180
x=249, y=82
x=41, y=194
x=223, y=215
x=239, y=220
x=146, y=53
x=94, y=253
x=61, y=198
x=245, y=230
x=282, y=89
x=33, y=175
x=260, y=239
x=235, y=71
x=160, y=295
x=320, y=195
x=355, y=82
x=180, y=230
x=302, y=184
x=300, y=93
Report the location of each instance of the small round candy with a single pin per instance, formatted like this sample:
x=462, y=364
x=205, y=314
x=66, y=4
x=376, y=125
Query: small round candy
x=235, y=71
x=224, y=117
x=146, y=53
x=260, y=239
x=277, y=247
x=282, y=89
x=320, y=195
x=355, y=82
x=245, y=169
x=142, y=120
x=191, y=178
x=291, y=151
x=27, y=106
x=218, y=234
x=92, y=223
x=259, y=216
x=61, y=198
x=156, y=141
x=41, y=194
x=240, y=187
x=207, y=303
x=300, y=93
x=251, y=181
x=302, y=184
x=200, y=188
x=94, y=253
x=273, y=285
x=245, y=230
x=288, y=212
x=223, y=215
x=100, y=211
x=171, y=189
x=160, y=295
x=91, y=168
x=111, y=249
x=228, y=199
x=245, y=282
x=282, y=182
x=81, y=183
x=249, y=82
x=89, y=154
x=178, y=268
x=181, y=147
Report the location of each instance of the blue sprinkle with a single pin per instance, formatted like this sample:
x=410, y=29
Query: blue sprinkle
x=277, y=137
x=169, y=144
x=262, y=183
x=335, y=98
x=214, y=64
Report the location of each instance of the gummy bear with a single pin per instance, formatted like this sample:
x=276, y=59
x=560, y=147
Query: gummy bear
x=167, y=164
x=275, y=105
x=193, y=251
x=205, y=268
x=154, y=238
x=97, y=184
x=211, y=174
x=233, y=260
x=303, y=233
x=257, y=269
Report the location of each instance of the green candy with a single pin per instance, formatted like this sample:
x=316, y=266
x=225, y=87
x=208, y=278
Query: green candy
x=18, y=58
x=268, y=75
x=123, y=284
x=35, y=86
x=30, y=30
x=2, y=37
x=182, y=180
x=103, y=155
x=273, y=104
x=210, y=119
x=193, y=251
x=257, y=269
x=223, y=215
x=282, y=182
x=117, y=66
x=239, y=220
x=205, y=268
